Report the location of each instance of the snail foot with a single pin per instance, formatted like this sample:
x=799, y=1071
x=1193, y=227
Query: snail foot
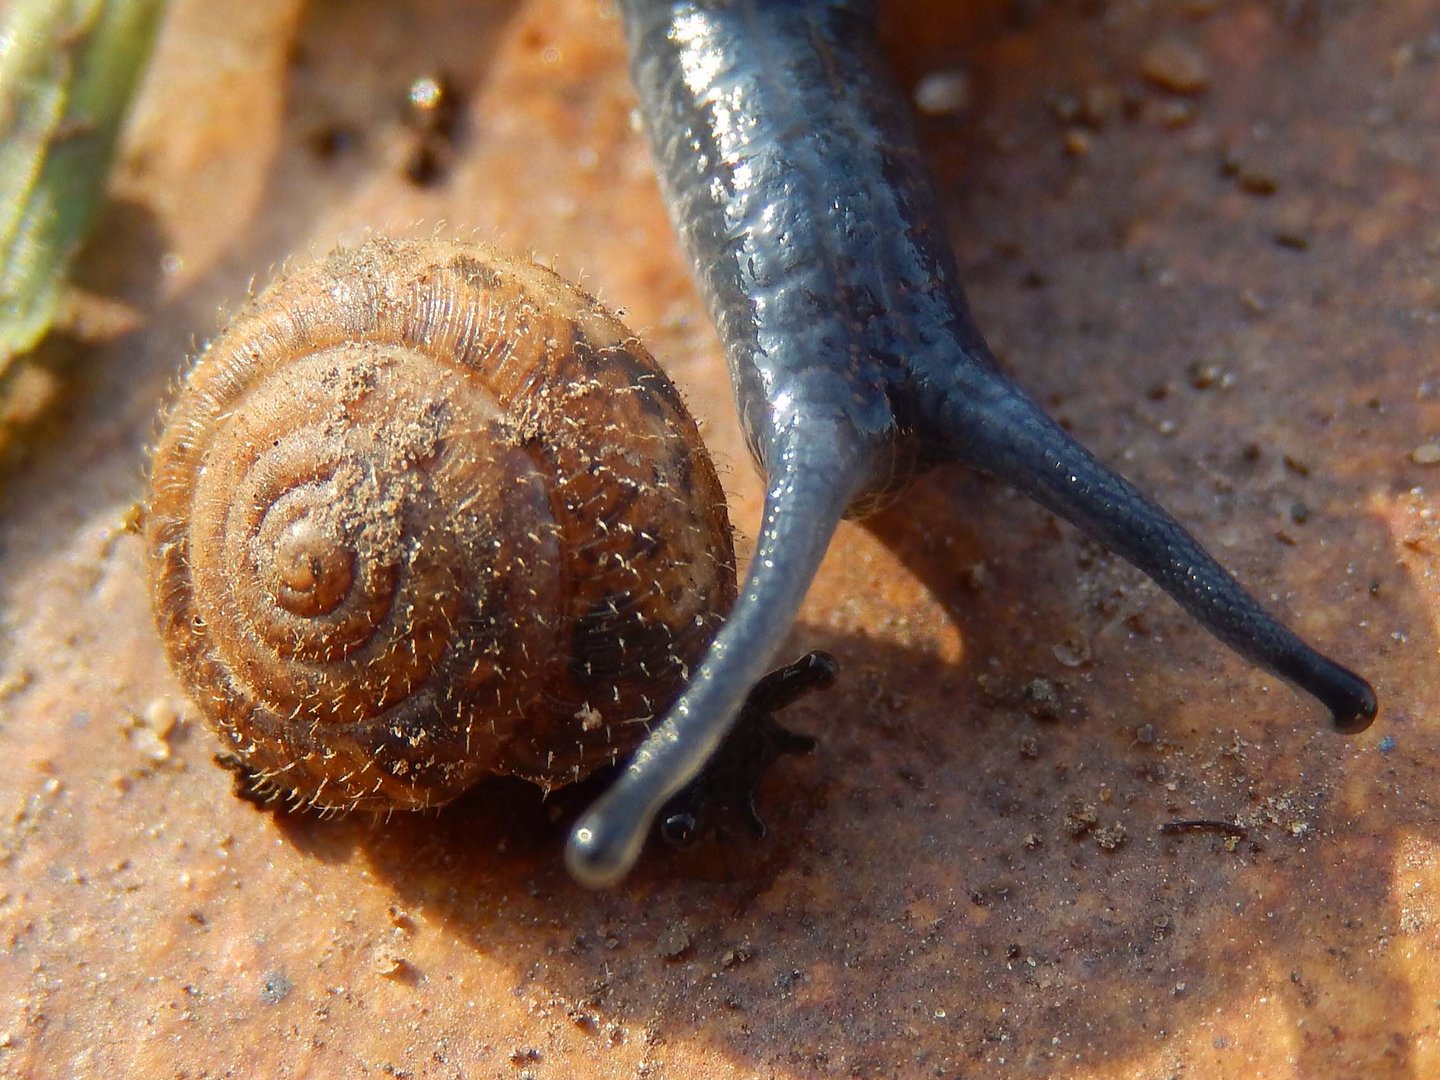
x=732, y=779
x=249, y=785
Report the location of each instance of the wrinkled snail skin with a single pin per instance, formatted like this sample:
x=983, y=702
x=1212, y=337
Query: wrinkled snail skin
x=422, y=513
x=796, y=185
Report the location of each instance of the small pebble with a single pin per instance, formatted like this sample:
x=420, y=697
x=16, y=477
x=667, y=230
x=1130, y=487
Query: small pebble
x=1205, y=376
x=1081, y=820
x=161, y=715
x=673, y=942
x=1293, y=239
x=739, y=955
x=1072, y=652
x=1426, y=454
x=1111, y=837
x=1077, y=143
x=1042, y=699
x=1175, y=65
x=1253, y=302
x=1177, y=114
x=1254, y=180
x=275, y=987
x=943, y=93
x=389, y=964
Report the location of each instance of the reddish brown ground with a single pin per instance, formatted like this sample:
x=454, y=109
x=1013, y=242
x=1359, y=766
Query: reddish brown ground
x=1206, y=233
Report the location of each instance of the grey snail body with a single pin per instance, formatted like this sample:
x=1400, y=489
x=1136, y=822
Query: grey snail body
x=797, y=188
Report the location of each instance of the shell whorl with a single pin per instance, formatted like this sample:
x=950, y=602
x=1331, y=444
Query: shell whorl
x=423, y=512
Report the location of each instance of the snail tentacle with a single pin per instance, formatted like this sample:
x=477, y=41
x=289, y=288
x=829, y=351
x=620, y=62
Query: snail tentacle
x=805, y=502
x=983, y=420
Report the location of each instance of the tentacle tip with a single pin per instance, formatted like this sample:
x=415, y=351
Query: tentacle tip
x=1353, y=706
x=597, y=855
x=680, y=829
x=825, y=668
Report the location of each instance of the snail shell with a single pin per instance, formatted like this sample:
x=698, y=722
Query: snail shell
x=423, y=512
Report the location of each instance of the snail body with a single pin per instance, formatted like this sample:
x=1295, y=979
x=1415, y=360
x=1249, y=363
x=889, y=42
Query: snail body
x=798, y=190
x=422, y=513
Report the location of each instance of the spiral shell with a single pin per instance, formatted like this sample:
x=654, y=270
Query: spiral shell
x=423, y=512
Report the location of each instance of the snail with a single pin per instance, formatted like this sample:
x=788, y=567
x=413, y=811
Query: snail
x=796, y=184
x=797, y=188
x=422, y=513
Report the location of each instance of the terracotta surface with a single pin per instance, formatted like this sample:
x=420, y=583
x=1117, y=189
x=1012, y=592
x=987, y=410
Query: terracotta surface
x=1205, y=233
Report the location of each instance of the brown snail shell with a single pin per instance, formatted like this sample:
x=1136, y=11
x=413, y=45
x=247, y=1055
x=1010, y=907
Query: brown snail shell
x=423, y=512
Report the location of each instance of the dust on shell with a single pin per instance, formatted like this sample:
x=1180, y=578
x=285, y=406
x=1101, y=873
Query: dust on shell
x=423, y=512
